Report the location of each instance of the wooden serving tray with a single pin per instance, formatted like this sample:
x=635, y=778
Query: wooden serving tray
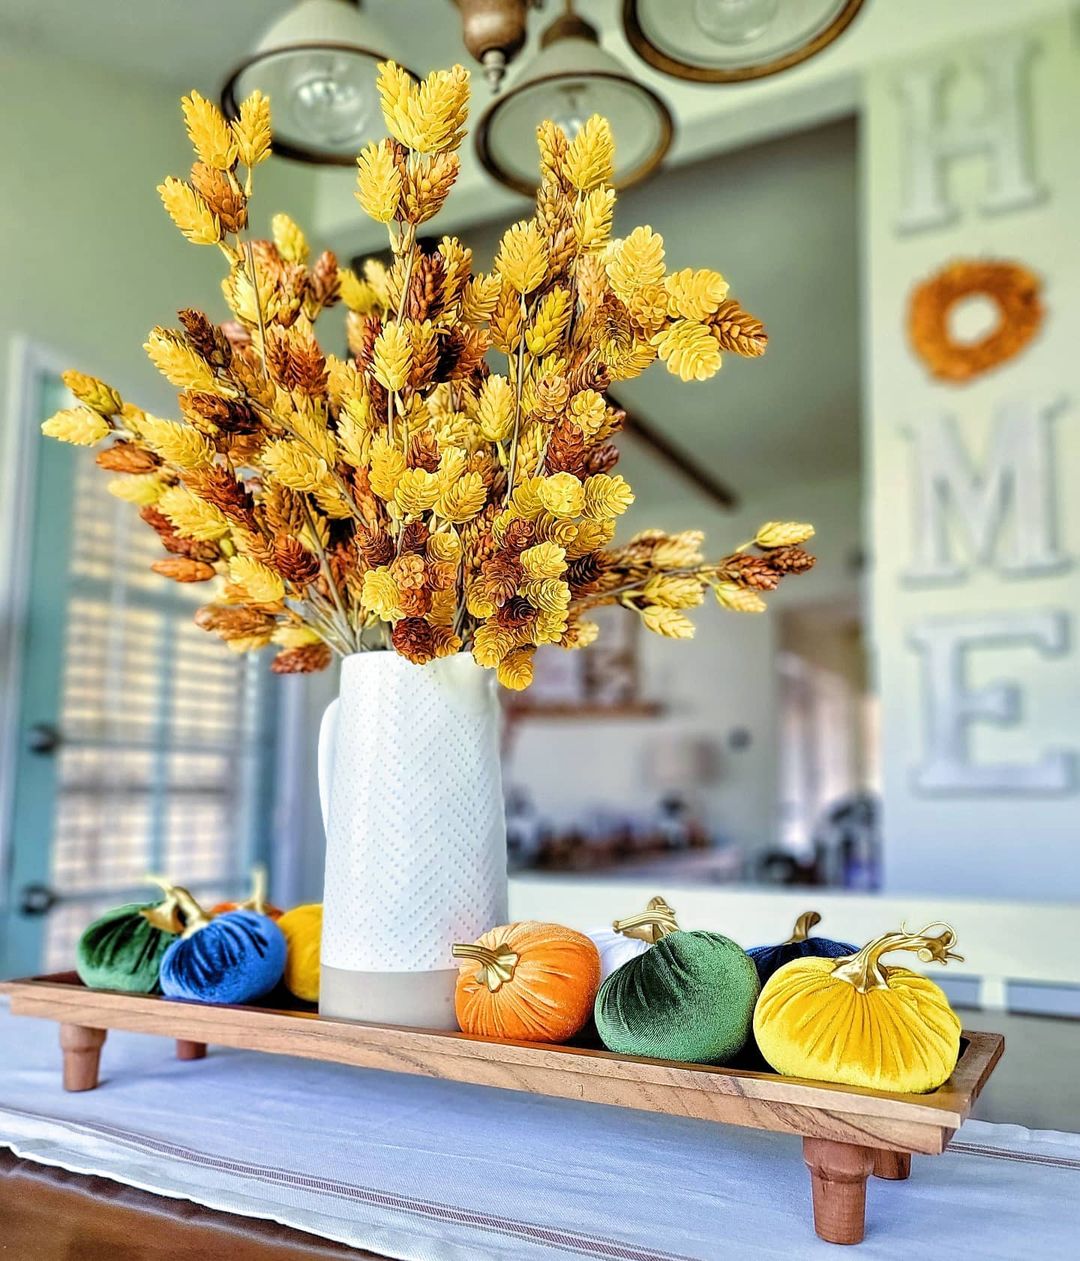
x=847, y=1133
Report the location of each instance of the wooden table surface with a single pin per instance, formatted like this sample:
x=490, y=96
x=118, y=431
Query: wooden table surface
x=50, y=1214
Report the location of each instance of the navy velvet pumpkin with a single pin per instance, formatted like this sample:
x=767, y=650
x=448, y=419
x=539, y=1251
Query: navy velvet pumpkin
x=232, y=958
x=122, y=950
x=769, y=959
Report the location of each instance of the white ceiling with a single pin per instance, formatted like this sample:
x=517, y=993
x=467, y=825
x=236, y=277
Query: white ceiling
x=178, y=44
x=181, y=44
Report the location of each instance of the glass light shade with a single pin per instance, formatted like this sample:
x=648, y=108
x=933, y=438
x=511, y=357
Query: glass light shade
x=729, y=41
x=734, y=21
x=569, y=81
x=317, y=64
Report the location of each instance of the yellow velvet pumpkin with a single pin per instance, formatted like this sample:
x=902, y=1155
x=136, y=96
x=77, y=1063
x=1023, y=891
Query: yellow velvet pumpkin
x=302, y=927
x=855, y=1021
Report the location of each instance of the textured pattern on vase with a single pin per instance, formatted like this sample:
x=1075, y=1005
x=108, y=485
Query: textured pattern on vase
x=416, y=838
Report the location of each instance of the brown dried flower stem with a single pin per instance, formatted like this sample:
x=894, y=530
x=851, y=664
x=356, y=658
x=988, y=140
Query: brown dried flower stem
x=459, y=586
x=328, y=626
x=407, y=242
x=543, y=452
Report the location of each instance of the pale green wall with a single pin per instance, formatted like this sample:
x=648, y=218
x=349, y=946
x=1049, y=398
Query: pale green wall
x=90, y=259
x=787, y=422
x=724, y=678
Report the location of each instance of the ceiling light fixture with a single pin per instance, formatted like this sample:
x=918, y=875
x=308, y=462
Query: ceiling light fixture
x=494, y=32
x=570, y=79
x=731, y=41
x=317, y=64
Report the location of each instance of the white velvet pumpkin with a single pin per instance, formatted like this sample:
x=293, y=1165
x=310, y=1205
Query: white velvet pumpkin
x=629, y=938
x=615, y=949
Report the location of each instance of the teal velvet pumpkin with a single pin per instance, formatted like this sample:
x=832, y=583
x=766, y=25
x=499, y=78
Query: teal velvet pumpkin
x=690, y=998
x=800, y=945
x=123, y=950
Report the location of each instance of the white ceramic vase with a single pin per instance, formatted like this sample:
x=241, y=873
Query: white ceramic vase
x=412, y=802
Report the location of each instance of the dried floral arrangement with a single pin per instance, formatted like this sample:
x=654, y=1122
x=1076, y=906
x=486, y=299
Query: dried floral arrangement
x=408, y=496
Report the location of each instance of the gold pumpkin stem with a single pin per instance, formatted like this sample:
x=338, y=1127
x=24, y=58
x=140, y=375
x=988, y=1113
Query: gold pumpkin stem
x=649, y=925
x=863, y=970
x=194, y=917
x=165, y=916
x=257, y=901
x=803, y=925
x=496, y=966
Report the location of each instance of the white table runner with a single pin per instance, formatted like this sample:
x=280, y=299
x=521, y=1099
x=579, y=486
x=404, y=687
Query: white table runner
x=435, y=1171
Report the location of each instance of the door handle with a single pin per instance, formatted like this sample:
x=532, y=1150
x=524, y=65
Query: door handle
x=44, y=739
x=37, y=899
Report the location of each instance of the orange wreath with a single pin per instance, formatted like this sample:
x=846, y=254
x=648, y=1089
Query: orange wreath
x=1011, y=287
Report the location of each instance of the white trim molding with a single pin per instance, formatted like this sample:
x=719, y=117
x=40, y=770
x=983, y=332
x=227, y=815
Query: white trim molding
x=1029, y=943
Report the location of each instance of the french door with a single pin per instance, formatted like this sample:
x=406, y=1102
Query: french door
x=136, y=742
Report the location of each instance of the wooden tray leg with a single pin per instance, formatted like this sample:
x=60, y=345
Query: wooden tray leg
x=190, y=1050
x=896, y=1166
x=838, y=1173
x=82, y=1056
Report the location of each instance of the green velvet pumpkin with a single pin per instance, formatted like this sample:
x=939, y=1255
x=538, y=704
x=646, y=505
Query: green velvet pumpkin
x=689, y=998
x=123, y=949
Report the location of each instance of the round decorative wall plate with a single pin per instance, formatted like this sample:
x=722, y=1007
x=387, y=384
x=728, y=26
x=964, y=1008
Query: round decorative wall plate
x=1012, y=288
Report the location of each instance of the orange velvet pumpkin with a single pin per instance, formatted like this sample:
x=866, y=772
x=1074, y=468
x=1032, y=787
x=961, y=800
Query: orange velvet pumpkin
x=528, y=982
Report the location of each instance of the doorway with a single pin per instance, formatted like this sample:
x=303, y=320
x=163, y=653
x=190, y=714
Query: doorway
x=133, y=742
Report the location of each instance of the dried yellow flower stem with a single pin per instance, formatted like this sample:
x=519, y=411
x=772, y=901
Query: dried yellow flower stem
x=519, y=383
x=258, y=304
x=345, y=628
x=406, y=242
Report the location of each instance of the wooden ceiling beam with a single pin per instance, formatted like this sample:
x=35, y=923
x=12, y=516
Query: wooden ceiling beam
x=660, y=445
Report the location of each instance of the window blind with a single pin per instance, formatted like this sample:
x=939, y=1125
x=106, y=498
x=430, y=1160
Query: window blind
x=165, y=734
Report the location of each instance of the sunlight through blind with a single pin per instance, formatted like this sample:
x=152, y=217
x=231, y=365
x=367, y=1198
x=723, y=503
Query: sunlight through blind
x=163, y=730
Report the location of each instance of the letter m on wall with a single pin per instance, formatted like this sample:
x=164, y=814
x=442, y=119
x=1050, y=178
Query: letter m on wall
x=1003, y=506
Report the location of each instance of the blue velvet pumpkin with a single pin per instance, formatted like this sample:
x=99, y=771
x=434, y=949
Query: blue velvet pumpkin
x=800, y=945
x=232, y=958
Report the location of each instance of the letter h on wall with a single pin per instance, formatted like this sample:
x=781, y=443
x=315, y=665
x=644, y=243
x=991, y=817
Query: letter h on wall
x=933, y=136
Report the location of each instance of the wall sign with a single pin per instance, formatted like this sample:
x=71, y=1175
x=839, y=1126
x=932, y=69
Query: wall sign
x=934, y=134
x=952, y=706
x=1004, y=505
x=989, y=506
